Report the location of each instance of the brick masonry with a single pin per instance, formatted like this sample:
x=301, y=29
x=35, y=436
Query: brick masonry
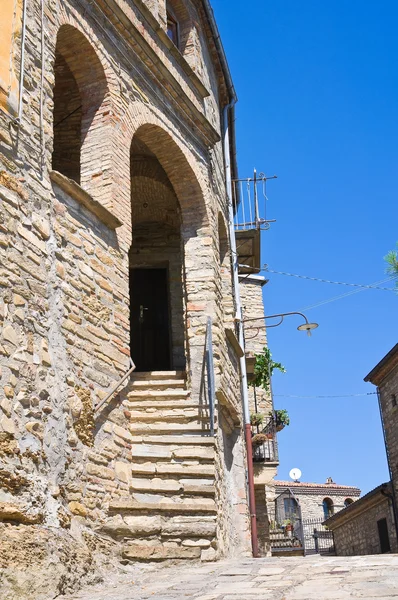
x=64, y=307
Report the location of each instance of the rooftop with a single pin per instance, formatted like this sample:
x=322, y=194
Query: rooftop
x=329, y=485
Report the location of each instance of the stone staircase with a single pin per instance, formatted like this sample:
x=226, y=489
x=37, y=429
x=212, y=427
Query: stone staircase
x=171, y=510
x=283, y=544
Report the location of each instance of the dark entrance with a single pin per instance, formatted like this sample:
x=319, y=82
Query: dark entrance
x=383, y=536
x=149, y=319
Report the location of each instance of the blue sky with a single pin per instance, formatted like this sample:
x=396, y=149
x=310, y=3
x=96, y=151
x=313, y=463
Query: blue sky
x=318, y=105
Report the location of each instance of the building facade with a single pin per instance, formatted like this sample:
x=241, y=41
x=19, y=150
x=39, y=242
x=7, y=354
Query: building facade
x=115, y=246
x=316, y=500
x=367, y=526
x=385, y=377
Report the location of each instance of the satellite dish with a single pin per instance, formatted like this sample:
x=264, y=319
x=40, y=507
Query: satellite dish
x=295, y=474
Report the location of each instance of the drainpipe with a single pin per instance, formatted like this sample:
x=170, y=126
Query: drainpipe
x=238, y=306
x=393, y=495
x=239, y=319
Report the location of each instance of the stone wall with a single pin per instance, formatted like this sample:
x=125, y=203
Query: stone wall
x=355, y=530
x=389, y=404
x=64, y=250
x=251, y=290
x=311, y=498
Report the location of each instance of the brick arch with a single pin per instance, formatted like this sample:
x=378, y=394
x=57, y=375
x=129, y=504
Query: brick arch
x=181, y=175
x=81, y=88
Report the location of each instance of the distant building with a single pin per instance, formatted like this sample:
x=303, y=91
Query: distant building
x=316, y=500
x=366, y=526
x=299, y=512
x=385, y=376
x=370, y=526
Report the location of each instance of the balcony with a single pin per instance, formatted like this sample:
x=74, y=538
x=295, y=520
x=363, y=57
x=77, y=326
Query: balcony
x=265, y=445
x=249, y=203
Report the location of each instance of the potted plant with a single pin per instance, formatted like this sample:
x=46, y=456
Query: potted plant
x=256, y=419
x=261, y=438
x=281, y=419
x=288, y=526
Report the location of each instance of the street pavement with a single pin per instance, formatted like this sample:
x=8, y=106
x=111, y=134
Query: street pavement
x=310, y=578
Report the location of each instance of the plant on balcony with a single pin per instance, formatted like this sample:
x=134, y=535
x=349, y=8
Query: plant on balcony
x=264, y=368
x=256, y=419
x=281, y=418
x=261, y=438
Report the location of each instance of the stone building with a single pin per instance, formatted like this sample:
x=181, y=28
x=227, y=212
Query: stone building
x=385, y=377
x=316, y=500
x=115, y=245
x=366, y=526
x=371, y=527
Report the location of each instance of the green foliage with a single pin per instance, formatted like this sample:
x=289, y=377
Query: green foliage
x=392, y=261
x=264, y=368
x=282, y=418
x=256, y=419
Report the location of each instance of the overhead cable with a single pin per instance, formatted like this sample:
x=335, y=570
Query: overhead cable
x=360, y=285
x=342, y=396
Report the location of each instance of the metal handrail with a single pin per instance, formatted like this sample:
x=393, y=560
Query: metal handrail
x=211, y=386
x=115, y=387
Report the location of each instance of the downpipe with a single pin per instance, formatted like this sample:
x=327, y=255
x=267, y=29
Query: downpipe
x=238, y=320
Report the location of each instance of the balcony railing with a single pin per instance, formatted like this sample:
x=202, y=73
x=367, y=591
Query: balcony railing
x=267, y=449
x=249, y=202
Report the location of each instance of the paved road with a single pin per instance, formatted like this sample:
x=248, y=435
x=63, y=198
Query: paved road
x=311, y=578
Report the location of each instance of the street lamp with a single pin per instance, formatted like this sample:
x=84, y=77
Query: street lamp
x=307, y=326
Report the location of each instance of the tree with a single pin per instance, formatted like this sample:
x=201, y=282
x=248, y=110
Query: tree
x=392, y=261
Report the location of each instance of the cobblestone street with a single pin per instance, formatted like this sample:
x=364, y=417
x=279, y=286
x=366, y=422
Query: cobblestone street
x=311, y=578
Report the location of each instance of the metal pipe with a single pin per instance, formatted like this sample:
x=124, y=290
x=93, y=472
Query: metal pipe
x=22, y=67
x=115, y=387
x=238, y=319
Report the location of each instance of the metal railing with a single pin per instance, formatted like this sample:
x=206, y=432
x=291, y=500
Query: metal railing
x=209, y=367
x=115, y=387
x=249, y=203
x=267, y=450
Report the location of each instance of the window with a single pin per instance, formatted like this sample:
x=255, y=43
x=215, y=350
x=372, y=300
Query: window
x=291, y=508
x=172, y=30
x=348, y=501
x=328, y=508
x=393, y=399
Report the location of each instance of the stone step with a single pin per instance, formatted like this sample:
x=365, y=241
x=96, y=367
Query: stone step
x=156, y=384
x=145, y=402
x=157, y=375
x=176, y=414
x=186, y=486
x=172, y=452
x=176, y=439
x=174, y=469
x=138, y=552
x=146, y=526
x=157, y=395
x=163, y=504
x=166, y=427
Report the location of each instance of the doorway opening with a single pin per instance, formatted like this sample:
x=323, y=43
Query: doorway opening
x=150, y=319
x=157, y=329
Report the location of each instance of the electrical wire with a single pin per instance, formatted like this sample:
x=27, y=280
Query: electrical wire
x=342, y=396
x=359, y=285
x=334, y=298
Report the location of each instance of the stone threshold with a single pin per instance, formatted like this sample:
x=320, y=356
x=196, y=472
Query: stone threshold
x=74, y=190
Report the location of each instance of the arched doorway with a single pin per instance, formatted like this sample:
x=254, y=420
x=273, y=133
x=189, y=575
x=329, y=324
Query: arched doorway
x=157, y=329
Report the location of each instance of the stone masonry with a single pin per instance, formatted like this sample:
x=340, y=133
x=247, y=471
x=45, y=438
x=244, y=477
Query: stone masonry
x=385, y=377
x=114, y=162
